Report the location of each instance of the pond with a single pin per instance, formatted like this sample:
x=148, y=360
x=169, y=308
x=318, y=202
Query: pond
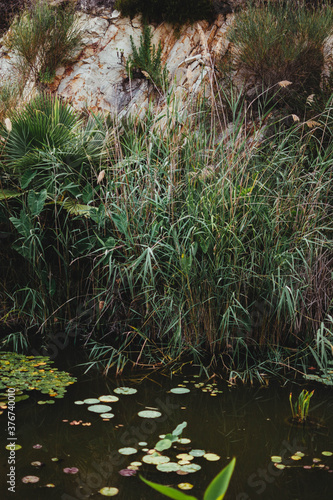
x=224, y=421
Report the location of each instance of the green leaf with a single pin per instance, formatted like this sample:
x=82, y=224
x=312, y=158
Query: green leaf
x=218, y=487
x=36, y=201
x=27, y=177
x=164, y=444
x=179, y=429
x=167, y=491
x=5, y=194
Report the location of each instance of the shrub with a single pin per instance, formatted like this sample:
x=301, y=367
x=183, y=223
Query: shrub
x=173, y=11
x=148, y=60
x=282, y=41
x=44, y=38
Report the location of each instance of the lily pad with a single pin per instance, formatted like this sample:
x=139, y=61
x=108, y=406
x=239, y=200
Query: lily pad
x=280, y=466
x=168, y=467
x=127, y=451
x=327, y=453
x=276, y=459
x=197, y=453
x=107, y=415
x=149, y=414
x=211, y=457
x=155, y=459
x=108, y=492
x=184, y=441
x=127, y=472
x=179, y=390
x=91, y=401
x=13, y=447
x=79, y=402
x=125, y=390
x=108, y=399
x=190, y=468
x=163, y=444
x=185, y=486
x=30, y=479
x=99, y=408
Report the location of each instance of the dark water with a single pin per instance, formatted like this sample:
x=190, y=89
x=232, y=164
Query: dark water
x=248, y=423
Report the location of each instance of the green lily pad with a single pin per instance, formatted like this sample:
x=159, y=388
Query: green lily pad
x=168, y=467
x=179, y=390
x=155, y=459
x=125, y=390
x=91, y=401
x=107, y=415
x=163, y=444
x=127, y=451
x=190, y=468
x=211, y=457
x=99, y=408
x=149, y=414
x=327, y=453
x=79, y=402
x=276, y=459
x=197, y=453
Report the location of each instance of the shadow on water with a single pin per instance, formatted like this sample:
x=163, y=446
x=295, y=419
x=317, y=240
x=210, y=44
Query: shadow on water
x=248, y=423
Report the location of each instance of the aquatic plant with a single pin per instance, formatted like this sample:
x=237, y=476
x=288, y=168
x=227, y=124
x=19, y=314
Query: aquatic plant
x=216, y=490
x=27, y=373
x=300, y=408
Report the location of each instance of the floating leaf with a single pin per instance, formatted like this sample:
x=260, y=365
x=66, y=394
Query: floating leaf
x=99, y=408
x=197, y=453
x=149, y=414
x=79, y=402
x=155, y=459
x=279, y=466
x=30, y=479
x=211, y=457
x=179, y=390
x=71, y=470
x=107, y=415
x=36, y=464
x=127, y=451
x=299, y=454
x=91, y=401
x=137, y=464
x=142, y=443
x=125, y=390
x=108, y=492
x=13, y=447
x=50, y=485
x=37, y=446
x=190, y=468
x=184, y=441
x=168, y=467
x=185, y=456
x=295, y=457
x=185, y=486
x=163, y=444
x=327, y=453
x=108, y=399
x=276, y=459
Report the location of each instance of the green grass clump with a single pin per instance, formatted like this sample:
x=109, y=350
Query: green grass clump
x=147, y=59
x=278, y=41
x=44, y=37
x=176, y=12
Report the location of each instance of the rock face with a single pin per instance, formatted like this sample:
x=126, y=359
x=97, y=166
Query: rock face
x=98, y=78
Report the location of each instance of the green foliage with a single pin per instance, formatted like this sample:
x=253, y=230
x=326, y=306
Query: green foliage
x=278, y=41
x=300, y=409
x=175, y=12
x=215, y=491
x=27, y=373
x=9, y=99
x=148, y=60
x=47, y=136
x=44, y=37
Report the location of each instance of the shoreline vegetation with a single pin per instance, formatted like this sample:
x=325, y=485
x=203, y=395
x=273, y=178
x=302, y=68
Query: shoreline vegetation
x=199, y=235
